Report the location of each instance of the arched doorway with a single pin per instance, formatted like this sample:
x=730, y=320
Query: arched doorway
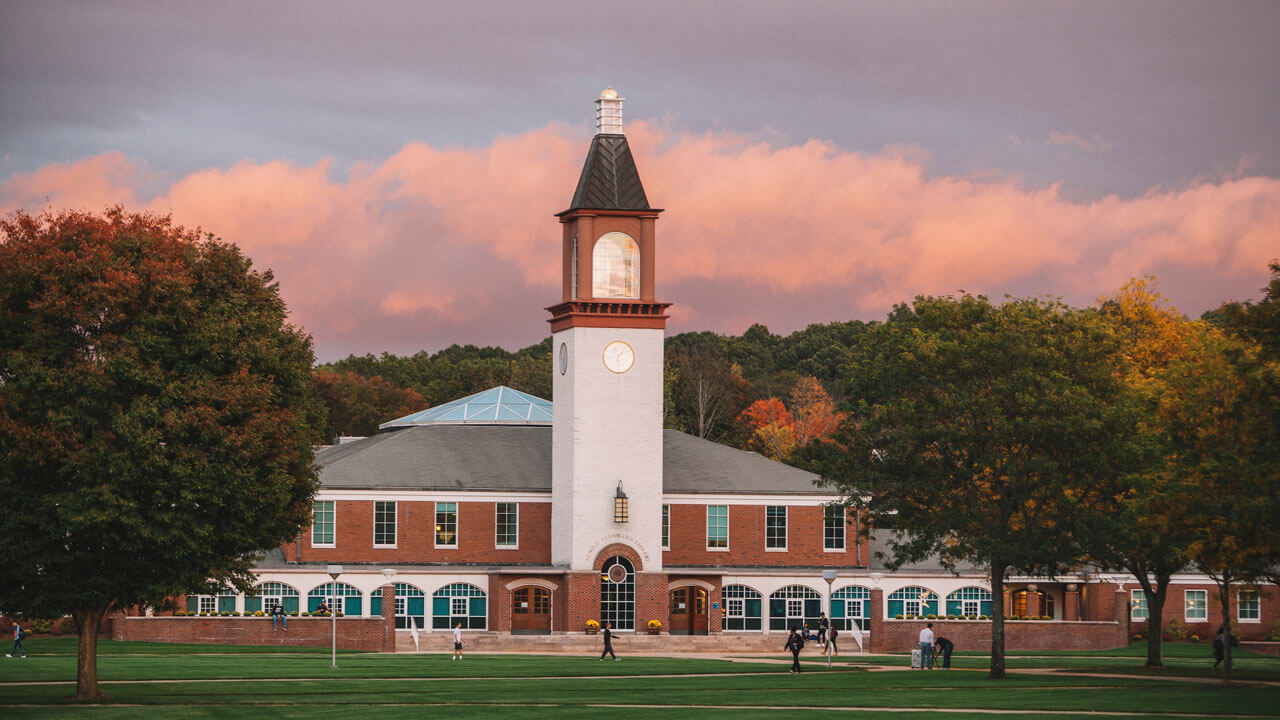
x=1020, y=603
x=688, y=608
x=530, y=611
x=618, y=593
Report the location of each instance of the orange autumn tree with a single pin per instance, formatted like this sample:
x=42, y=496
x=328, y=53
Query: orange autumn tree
x=771, y=427
x=814, y=411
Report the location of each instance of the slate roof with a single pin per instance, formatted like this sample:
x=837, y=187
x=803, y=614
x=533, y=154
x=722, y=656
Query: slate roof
x=517, y=458
x=498, y=405
x=609, y=179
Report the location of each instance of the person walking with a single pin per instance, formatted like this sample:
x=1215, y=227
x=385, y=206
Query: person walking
x=926, y=646
x=823, y=625
x=457, y=642
x=18, y=635
x=1220, y=647
x=835, y=649
x=795, y=643
x=608, y=641
x=944, y=646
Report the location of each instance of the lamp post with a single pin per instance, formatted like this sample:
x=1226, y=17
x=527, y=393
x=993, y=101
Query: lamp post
x=830, y=577
x=334, y=571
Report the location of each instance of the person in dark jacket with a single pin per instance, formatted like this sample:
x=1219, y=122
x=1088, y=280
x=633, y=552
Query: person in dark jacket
x=1220, y=647
x=944, y=646
x=608, y=642
x=795, y=643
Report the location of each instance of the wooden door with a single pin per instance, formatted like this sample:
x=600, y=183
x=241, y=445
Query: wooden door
x=688, y=611
x=530, y=610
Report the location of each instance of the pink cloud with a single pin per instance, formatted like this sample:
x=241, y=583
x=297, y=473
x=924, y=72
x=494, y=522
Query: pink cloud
x=444, y=244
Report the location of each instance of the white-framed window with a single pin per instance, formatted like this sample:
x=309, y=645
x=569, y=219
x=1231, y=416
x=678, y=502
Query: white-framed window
x=795, y=608
x=666, y=527
x=384, y=523
x=1248, y=607
x=322, y=524
x=734, y=607
x=833, y=525
x=717, y=527
x=775, y=527
x=508, y=525
x=458, y=606
x=1137, y=605
x=447, y=524
x=208, y=604
x=1197, y=605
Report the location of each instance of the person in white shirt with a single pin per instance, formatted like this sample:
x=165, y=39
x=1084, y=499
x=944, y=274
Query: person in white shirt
x=457, y=642
x=926, y=646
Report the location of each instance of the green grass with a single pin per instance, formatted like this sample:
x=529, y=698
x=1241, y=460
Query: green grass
x=240, y=682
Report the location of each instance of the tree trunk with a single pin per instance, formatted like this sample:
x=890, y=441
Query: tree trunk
x=1155, y=614
x=87, y=622
x=1224, y=602
x=997, y=622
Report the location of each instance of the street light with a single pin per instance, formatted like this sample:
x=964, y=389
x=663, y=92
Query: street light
x=830, y=577
x=334, y=571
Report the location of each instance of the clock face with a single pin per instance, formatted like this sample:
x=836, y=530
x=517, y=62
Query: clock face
x=564, y=359
x=619, y=357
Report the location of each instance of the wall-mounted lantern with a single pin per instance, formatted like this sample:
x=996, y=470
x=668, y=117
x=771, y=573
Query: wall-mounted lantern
x=620, y=505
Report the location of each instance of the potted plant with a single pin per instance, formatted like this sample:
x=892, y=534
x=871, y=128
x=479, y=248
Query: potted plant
x=655, y=627
x=258, y=613
x=593, y=627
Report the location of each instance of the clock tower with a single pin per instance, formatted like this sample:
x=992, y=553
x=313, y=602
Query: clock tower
x=607, y=334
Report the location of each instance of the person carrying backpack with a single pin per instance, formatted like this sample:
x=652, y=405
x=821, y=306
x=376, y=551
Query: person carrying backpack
x=795, y=643
x=18, y=635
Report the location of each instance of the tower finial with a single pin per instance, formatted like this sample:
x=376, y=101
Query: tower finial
x=609, y=113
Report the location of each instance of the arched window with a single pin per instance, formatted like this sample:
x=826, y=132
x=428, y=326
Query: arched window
x=217, y=600
x=793, y=606
x=913, y=600
x=615, y=267
x=969, y=601
x=270, y=594
x=849, y=608
x=618, y=594
x=338, y=596
x=742, y=607
x=459, y=603
x=411, y=606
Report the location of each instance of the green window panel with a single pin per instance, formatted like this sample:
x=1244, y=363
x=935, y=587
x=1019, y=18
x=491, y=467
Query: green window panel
x=375, y=604
x=289, y=604
x=193, y=604
x=477, y=607
x=418, y=606
x=226, y=603
x=353, y=605
x=252, y=604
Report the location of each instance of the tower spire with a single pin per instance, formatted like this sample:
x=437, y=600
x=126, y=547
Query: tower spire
x=609, y=113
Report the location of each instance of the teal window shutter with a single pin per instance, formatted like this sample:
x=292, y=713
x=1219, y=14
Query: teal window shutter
x=290, y=604
x=193, y=604
x=375, y=604
x=353, y=605
x=477, y=607
x=313, y=602
x=440, y=607
x=837, y=609
x=895, y=608
x=416, y=606
x=226, y=603
x=252, y=604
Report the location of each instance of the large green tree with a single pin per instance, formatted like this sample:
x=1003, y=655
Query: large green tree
x=156, y=417
x=980, y=433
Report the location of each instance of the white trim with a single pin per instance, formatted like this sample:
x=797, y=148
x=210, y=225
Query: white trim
x=1186, y=605
x=786, y=529
x=374, y=528
x=522, y=582
x=435, y=534
x=706, y=527
x=790, y=500
x=433, y=495
x=1257, y=598
x=516, y=544
x=674, y=584
x=334, y=530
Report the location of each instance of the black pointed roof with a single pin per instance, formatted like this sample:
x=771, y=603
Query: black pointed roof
x=609, y=179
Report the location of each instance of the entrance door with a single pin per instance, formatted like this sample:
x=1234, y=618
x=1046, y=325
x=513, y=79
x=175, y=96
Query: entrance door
x=531, y=611
x=688, y=611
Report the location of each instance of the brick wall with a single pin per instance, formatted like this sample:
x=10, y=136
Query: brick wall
x=747, y=538
x=353, y=633
x=1175, y=607
x=904, y=635
x=415, y=535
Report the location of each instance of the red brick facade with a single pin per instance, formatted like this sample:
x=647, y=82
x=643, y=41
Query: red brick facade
x=747, y=539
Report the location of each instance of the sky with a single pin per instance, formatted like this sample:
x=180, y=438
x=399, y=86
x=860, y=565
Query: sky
x=398, y=165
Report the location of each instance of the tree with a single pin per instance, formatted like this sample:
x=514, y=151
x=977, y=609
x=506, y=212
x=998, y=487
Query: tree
x=707, y=391
x=771, y=428
x=1258, y=321
x=156, y=417
x=814, y=411
x=1150, y=530
x=981, y=433
x=356, y=405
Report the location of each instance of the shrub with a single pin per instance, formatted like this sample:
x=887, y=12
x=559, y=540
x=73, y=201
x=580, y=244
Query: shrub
x=1175, y=630
x=294, y=613
x=341, y=614
x=305, y=613
x=258, y=613
x=1194, y=638
x=983, y=617
x=225, y=613
x=898, y=616
x=593, y=623
x=1274, y=634
x=655, y=625
x=931, y=616
x=1137, y=636
x=951, y=617
x=179, y=613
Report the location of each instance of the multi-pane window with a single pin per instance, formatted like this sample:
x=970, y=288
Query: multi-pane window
x=508, y=524
x=849, y=608
x=970, y=600
x=446, y=524
x=384, y=523
x=322, y=523
x=913, y=600
x=1197, y=605
x=208, y=604
x=794, y=606
x=775, y=527
x=1250, y=610
x=459, y=603
x=615, y=267
x=742, y=608
x=271, y=594
x=717, y=526
x=1137, y=605
x=618, y=598
x=338, y=597
x=833, y=528
x=666, y=527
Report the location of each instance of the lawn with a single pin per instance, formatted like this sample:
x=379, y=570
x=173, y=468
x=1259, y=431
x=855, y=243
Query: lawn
x=236, y=682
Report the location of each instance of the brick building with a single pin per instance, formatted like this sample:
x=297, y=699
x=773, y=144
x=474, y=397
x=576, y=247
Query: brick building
x=508, y=513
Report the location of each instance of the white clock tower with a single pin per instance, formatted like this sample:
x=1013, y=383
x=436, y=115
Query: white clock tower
x=607, y=335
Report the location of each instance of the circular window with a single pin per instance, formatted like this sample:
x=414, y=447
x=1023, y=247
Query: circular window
x=617, y=574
